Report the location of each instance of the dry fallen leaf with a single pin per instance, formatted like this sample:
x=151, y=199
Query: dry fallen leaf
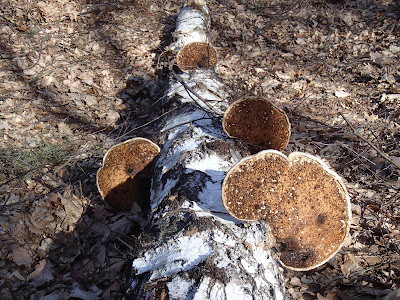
x=331, y=295
x=69, y=247
x=394, y=295
x=342, y=94
x=372, y=260
x=100, y=213
x=320, y=297
x=107, y=293
x=116, y=265
x=350, y=265
x=87, y=77
x=295, y=281
x=257, y=44
x=17, y=275
x=43, y=273
x=77, y=292
x=21, y=257
x=73, y=207
x=40, y=219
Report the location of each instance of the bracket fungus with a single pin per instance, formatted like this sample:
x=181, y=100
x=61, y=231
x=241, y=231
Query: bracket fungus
x=118, y=180
x=196, y=55
x=257, y=121
x=304, y=202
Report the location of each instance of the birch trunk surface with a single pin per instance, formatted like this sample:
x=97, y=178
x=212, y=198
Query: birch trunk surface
x=192, y=248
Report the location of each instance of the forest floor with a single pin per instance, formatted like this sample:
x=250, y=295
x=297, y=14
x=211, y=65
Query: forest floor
x=78, y=76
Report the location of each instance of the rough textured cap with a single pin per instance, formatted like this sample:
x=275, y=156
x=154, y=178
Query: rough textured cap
x=257, y=121
x=196, y=4
x=115, y=179
x=197, y=55
x=302, y=199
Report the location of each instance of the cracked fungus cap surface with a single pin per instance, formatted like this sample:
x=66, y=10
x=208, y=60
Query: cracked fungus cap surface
x=302, y=199
x=257, y=121
x=122, y=163
x=197, y=55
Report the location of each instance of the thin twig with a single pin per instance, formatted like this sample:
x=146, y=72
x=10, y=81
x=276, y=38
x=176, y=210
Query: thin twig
x=125, y=243
x=188, y=122
x=162, y=97
x=148, y=123
x=102, y=8
x=356, y=153
x=186, y=210
x=379, y=151
x=40, y=56
x=296, y=114
x=191, y=90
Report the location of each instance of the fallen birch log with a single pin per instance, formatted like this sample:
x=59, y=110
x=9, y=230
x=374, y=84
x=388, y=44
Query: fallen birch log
x=192, y=248
x=195, y=248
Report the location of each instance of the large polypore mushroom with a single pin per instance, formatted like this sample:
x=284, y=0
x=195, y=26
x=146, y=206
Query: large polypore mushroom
x=197, y=55
x=192, y=43
x=118, y=180
x=302, y=199
x=257, y=121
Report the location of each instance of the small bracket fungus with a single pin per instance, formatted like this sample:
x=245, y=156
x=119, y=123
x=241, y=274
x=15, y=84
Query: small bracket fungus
x=196, y=4
x=300, y=197
x=117, y=179
x=257, y=121
x=197, y=55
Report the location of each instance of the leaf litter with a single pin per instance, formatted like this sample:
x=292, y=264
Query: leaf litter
x=79, y=76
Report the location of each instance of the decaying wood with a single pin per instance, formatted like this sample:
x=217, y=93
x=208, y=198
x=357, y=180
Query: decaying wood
x=192, y=248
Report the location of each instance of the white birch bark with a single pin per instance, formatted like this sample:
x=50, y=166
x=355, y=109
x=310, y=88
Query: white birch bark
x=191, y=26
x=192, y=248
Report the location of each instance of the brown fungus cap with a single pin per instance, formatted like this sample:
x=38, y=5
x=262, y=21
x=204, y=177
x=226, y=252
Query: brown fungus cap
x=304, y=202
x=197, y=55
x=257, y=121
x=116, y=179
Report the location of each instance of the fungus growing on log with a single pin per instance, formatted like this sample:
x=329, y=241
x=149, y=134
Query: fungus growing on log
x=304, y=202
x=118, y=180
x=192, y=45
x=257, y=121
x=192, y=248
x=196, y=55
x=196, y=4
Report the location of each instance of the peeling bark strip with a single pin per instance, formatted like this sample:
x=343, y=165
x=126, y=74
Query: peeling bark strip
x=192, y=248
